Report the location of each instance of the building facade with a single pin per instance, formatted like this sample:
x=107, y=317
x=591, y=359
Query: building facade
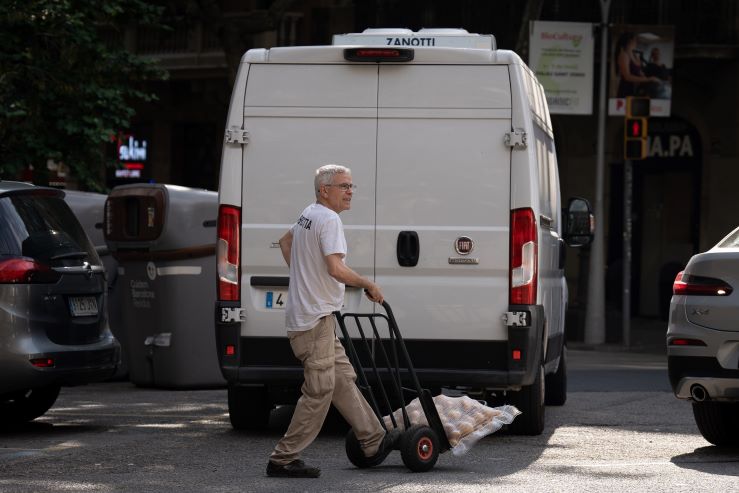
x=683, y=198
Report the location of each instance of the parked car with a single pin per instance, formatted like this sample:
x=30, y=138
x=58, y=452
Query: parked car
x=53, y=303
x=703, y=340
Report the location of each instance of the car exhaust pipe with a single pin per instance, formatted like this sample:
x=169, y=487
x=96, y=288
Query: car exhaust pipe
x=698, y=393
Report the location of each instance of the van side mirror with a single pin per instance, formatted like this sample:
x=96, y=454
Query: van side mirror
x=579, y=222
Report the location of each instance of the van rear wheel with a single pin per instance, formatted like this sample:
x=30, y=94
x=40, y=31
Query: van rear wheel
x=248, y=407
x=555, y=385
x=530, y=401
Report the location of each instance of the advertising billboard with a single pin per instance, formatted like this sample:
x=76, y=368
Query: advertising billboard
x=641, y=65
x=561, y=55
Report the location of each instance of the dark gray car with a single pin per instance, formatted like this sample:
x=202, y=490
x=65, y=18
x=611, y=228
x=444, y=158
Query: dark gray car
x=53, y=314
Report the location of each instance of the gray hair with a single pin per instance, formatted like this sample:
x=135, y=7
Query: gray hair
x=325, y=175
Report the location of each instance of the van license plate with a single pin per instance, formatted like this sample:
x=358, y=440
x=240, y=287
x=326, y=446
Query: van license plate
x=83, y=306
x=275, y=300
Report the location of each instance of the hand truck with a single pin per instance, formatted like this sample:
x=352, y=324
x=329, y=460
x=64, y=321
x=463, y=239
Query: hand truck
x=390, y=367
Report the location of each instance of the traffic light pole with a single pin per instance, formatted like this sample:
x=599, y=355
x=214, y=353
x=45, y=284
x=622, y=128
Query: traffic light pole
x=626, y=292
x=635, y=148
x=595, y=311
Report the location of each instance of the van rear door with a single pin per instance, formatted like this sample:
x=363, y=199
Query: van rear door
x=299, y=117
x=443, y=175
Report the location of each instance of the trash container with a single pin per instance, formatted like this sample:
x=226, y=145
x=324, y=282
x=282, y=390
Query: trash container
x=89, y=207
x=163, y=237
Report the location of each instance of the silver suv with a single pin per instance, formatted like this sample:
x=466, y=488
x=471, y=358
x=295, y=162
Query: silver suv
x=53, y=323
x=703, y=340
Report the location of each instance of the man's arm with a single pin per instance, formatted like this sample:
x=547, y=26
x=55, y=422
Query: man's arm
x=286, y=245
x=339, y=271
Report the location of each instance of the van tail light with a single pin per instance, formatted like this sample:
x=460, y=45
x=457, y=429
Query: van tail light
x=700, y=286
x=523, y=257
x=228, y=253
x=21, y=270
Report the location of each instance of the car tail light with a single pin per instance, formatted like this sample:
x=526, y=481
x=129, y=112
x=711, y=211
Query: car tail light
x=228, y=253
x=682, y=341
x=42, y=362
x=700, y=286
x=523, y=257
x=20, y=270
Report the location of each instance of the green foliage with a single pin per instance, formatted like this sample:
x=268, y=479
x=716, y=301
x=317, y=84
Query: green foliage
x=67, y=83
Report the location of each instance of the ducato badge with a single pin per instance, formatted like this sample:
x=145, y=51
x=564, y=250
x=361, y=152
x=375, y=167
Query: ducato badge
x=464, y=245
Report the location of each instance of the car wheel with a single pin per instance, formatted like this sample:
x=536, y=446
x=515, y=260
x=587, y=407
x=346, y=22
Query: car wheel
x=555, y=385
x=717, y=421
x=530, y=401
x=248, y=407
x=27, y=405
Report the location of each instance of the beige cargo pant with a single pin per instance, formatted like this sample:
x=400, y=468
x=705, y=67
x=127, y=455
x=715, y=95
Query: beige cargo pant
x=329, y=379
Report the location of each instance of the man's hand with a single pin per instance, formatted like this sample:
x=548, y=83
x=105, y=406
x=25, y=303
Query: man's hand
x=374, y=293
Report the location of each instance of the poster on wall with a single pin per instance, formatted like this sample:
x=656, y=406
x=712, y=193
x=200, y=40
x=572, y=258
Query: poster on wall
x=641, y=65
x=561, y=55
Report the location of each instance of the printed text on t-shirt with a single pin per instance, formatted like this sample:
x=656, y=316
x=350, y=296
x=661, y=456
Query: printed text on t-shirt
x=304, y=222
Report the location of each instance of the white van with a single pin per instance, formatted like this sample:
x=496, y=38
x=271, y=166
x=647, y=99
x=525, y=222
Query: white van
x=456, y=216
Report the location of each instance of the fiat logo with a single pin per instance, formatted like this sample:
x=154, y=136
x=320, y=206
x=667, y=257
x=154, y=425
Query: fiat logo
x=464, y=245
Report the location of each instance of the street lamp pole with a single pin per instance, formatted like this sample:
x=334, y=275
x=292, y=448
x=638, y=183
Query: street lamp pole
x=595, y=320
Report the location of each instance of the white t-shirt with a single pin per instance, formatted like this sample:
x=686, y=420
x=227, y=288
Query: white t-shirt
x=313, y=293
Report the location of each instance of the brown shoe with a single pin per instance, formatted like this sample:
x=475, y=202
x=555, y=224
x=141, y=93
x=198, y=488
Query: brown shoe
x=295, y=469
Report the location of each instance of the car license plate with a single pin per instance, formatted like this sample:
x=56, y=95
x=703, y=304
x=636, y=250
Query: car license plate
x=275, y=300
x=82, y=306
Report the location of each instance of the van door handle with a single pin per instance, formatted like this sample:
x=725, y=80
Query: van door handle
x=408, y=248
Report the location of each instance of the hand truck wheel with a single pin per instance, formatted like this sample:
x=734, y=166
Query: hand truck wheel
x=419, y=448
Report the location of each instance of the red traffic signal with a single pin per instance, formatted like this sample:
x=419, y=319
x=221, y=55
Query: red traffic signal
x=635, y=138
x=636, y=128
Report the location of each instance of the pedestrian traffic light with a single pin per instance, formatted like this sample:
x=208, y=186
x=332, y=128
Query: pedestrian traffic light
x=635, y=128
x=635, y=138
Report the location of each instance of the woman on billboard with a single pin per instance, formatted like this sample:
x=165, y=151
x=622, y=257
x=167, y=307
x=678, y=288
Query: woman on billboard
x=630, y=66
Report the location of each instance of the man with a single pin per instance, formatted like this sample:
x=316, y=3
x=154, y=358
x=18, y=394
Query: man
x=315, y=249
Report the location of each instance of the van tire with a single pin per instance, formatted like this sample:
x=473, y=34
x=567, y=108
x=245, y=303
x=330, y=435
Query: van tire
x=530, y=401
x=555, y=384
x=248, y=407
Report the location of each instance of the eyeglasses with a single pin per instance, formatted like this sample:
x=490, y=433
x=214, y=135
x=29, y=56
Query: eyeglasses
x=345, y=187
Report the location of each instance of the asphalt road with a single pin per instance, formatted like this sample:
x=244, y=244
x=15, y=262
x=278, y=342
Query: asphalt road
x=620, y=430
